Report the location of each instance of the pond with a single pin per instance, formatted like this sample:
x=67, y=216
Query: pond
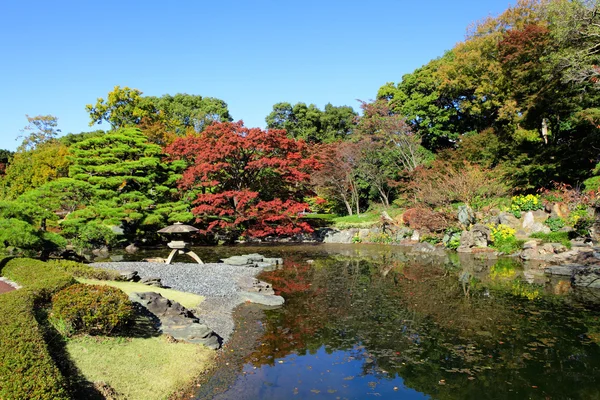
x=378, y=322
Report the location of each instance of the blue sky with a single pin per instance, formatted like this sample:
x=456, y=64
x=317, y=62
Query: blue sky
x=57, y=56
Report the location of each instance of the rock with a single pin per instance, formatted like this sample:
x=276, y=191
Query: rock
x=481, y=235
x=559, y=247
x=528, y=220
x=559, y=210
x=402, y=234
x=508, y=219
x=152, y=281
x=264, y=299
x=335, y=236
x=273, y=261
x=423, y=247
x=116, y=258
x=130, y=276
x=102, y=252
x=254, y=257
x=466, y=216
x=176, y=320
x=466, y=240
x=529, y=254
x=580, y=242
x=249, y=284
x=586, y=277
x=415, y=236
x=132, y=248
x=539, y=227
x=363, y=234
x=546, y=248
x=237, y=260
x=562, y=270
x=532, y=244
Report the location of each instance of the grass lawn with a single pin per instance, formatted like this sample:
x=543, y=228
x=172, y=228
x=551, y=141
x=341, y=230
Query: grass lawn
x=188, y=300
x=139, y=368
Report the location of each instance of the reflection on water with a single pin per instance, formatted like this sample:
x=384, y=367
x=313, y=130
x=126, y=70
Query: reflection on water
x=375, y=322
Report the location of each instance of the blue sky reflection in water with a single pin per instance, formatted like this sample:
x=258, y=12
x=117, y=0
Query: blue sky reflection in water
x=339, y=374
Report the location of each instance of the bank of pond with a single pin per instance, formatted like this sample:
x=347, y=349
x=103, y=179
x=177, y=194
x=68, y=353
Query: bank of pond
x=381, y=321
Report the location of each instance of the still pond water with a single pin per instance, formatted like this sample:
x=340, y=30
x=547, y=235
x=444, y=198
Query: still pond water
x=364, y=322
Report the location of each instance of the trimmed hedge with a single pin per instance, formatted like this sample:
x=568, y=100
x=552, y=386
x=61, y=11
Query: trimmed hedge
x=93, y=309
x=27, y=370
x=80, y=270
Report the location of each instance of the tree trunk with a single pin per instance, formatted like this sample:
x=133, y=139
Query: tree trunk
x=545, y=130
x=348, y=206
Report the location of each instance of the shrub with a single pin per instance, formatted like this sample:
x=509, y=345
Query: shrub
x=419, y=218
x=444, y=183
x=555, y=224
x=85, y=271
x=580, y=220
x=27, y=370
x=94, y=309
x=521, y=203
x=504, y=240
x=380, y=238
x=431, y=239
x=94, y=235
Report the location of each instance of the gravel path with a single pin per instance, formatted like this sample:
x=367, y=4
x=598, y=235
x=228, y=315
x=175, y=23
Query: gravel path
x=217, y=282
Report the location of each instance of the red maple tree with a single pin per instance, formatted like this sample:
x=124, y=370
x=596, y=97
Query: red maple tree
x=249, y=181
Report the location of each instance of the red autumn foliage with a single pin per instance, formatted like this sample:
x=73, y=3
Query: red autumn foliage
x=419, y=218
x=250, y=181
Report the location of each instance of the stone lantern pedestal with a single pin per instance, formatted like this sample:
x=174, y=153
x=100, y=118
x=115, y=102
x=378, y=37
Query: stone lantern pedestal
x=179, y=246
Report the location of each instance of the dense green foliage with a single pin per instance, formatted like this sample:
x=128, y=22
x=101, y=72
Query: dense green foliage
x=513, y=110
x=310, y=123
x=27, y=370
x=92, y=309
x=529, y=77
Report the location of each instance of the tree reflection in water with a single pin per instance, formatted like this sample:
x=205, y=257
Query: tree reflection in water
x=422, y=327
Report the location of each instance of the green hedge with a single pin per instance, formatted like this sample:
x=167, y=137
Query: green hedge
x=80, y=270
x=27, y=370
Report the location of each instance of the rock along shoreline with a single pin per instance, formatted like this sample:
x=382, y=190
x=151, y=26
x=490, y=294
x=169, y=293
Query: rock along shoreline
x=224, y=287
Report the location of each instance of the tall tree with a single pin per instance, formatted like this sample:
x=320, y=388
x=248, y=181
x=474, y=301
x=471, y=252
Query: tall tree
x=129, y=181
x=338, y=178
x=40, y=129
x=39, y=159
x=310, y=123
x=249, y=181
x=162, y=118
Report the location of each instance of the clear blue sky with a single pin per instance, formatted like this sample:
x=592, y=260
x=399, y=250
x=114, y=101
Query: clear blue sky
x=57, y=56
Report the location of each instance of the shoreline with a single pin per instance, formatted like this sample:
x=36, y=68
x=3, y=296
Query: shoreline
x=217, y=282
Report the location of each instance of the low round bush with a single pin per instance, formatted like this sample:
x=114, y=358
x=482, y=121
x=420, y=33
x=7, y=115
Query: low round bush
x=93, y=309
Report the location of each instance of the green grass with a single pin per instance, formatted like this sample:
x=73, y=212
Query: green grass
x=188, y=300
x=139, y=368
x=553, y=237
x=363, y=220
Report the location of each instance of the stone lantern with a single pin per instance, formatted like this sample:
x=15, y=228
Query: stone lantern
x=179, y=232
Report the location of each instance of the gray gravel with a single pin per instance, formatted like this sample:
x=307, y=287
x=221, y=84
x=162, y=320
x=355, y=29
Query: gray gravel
x=217, y=282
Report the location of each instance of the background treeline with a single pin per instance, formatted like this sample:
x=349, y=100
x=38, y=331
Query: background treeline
x=512, y=109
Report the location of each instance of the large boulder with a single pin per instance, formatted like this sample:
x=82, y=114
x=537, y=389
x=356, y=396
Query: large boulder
x=479, y=236
x=466, y=216
x=335, y=236
x=132, y=248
